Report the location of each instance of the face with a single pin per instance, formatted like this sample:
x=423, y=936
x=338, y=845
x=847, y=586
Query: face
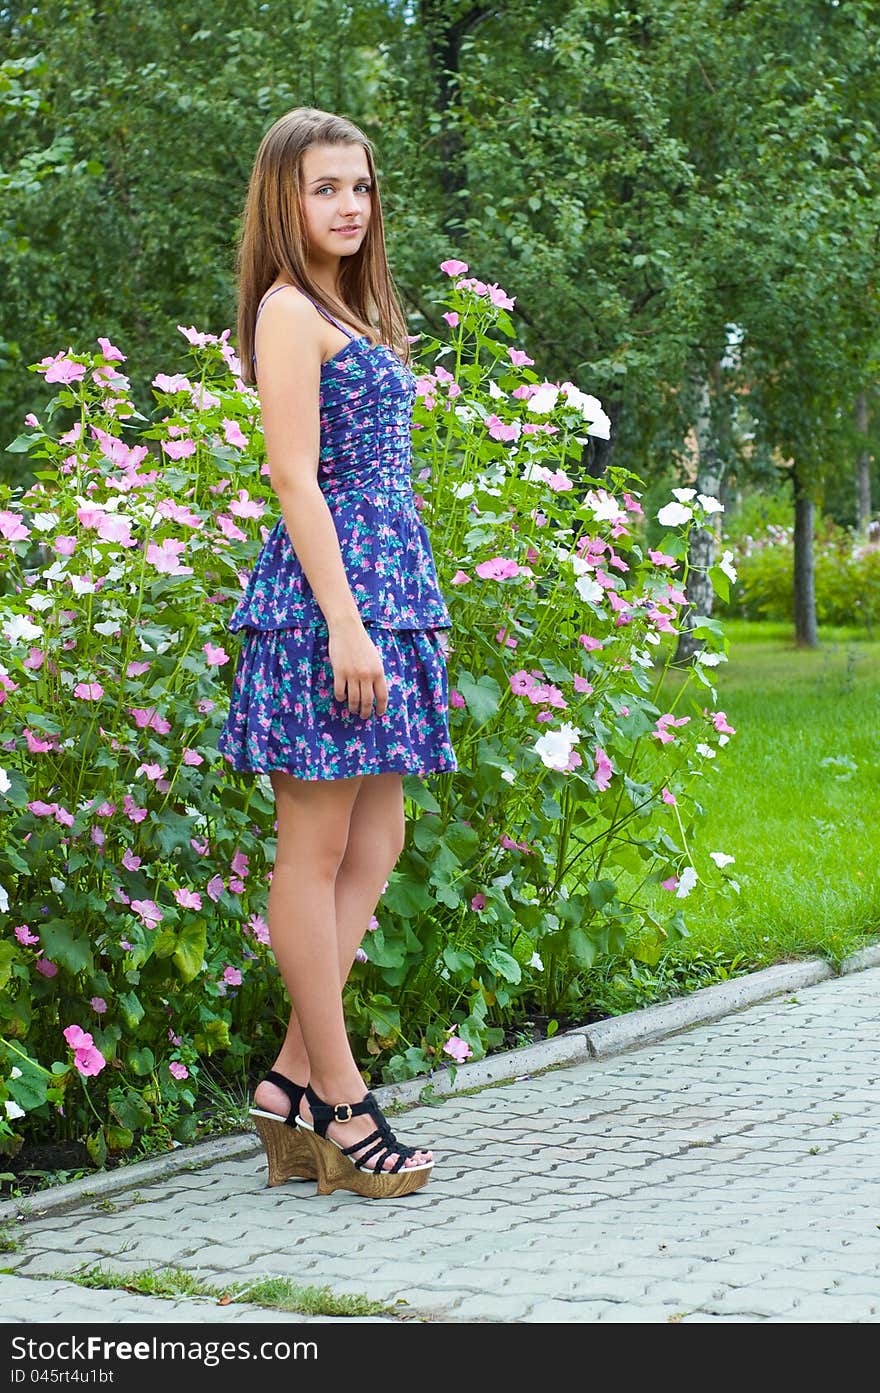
x=336, y=196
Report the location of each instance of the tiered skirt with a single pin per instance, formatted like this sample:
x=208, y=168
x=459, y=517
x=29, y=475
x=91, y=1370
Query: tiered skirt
x=283, y=713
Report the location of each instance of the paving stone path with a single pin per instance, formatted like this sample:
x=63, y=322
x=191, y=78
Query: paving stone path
x=729, y=1173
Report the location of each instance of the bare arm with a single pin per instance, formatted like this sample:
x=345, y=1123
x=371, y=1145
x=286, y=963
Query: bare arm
x=289, y=361
x=289, y=380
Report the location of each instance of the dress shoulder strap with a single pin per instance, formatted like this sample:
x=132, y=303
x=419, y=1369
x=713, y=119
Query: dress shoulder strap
x=319, y=308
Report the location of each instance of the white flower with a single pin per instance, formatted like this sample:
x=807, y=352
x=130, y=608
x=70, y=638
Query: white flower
x=600, y=426
x=544, y=400
x=57, y=571
x=674, y=514
x=15, y=1072
x=13, y=1110
x=705, y=750
x=642, y=657
x=44, y=522
x=495, y=391
x=722, y=739
x=4, y=900
x=463, y=490
x=603, y=507
x=19, y=629
x=535, y=961
x=686, y=883
x=589, y=590
x=721, y=859
x=39, y=601
x=508, y=775
x=684, y=495
x=555, y=746
x=107, y=627
x=82, y=585
x=465, y=413
x=726, y=565
x=5, y=784
x=709, y=505
x=709, y=659
x=57, y=885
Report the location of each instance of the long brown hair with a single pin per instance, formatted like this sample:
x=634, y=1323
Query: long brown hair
x=272, y=239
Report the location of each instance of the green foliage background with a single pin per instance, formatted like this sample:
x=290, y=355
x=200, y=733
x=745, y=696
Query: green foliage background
x=644, y=176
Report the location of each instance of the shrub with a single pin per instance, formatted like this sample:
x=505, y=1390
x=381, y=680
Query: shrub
x=134, y=863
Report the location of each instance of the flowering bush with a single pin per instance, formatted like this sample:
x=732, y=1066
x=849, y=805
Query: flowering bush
x=134, y=864
x=847, y=577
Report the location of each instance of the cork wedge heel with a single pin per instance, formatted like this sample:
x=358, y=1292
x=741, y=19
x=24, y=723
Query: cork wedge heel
x=287, y=1153
x=358, y=1168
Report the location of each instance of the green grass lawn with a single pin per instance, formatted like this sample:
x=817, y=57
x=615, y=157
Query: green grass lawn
x=795, y=798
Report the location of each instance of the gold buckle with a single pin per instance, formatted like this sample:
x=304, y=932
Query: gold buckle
x=348, y=1112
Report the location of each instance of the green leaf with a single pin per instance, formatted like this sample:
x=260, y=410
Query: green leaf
x=720, y=582
x=482, y=695
x=7, y=957
x=504, y=964
x=131, y=1008
x=129, y=1108
x=141, y=1061
x=459, y=960
x=189, y=952
x=66, y=947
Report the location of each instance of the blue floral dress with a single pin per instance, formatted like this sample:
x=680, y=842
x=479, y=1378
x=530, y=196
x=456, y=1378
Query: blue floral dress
x=283, y=713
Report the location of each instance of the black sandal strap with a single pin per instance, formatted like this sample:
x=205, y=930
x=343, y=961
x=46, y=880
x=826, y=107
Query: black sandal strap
x=294, y=1091
x=381, y=1140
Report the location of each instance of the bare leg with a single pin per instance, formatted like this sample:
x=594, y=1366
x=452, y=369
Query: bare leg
x=336, y=849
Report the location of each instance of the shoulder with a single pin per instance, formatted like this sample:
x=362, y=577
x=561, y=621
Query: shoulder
x=286, y=305
x=289, y=333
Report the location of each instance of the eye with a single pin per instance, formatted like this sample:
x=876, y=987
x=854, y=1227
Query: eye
x=367, y=188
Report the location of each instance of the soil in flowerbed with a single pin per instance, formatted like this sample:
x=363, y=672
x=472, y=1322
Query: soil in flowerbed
x=40, y=1164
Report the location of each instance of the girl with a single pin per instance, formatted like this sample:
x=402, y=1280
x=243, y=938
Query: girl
x=341, y=685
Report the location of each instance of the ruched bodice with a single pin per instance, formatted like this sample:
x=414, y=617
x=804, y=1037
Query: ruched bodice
x=365, y=474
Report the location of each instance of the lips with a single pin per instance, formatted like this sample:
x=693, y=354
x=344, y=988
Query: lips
x=354, y=227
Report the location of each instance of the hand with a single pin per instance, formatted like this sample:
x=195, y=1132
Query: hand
x=358, y=674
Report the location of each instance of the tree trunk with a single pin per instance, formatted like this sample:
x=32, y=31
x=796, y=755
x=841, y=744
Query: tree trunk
x=444, y=37
x=703, y=539
x=863, y=468
x=805, y=628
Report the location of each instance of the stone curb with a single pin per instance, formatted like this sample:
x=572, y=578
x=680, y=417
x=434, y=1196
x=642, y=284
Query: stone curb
x=597, y=1041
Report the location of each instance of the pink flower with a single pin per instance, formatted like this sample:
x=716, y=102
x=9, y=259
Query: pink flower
x=478, y=902
x=461, y=578
x=520, y=359
x=148, y=912
x=451, y=318
x=214, y=887
x=458, y=1049
x=239, y=863
x=179, y=449
x=499, y=568
x=232, y=976
x=259, y=928
x=24, y=935
x=671, y=883
x=453, y=267
x=178, y=1070
x=88, y=691
x=660, y=558
x=456, y=698
x=129, y=860
x=232, y=433
x=86, y=1056
x=61, y=369
x=113, y=354
x=603, y=770
x=98, y=1005
x=12, y=527
x=47, y=968
x=719, y=721
x=165, y=556
x=188, y=899
x=214, y=655
x=591, y=644
x=669, y=798
x=192, y=757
